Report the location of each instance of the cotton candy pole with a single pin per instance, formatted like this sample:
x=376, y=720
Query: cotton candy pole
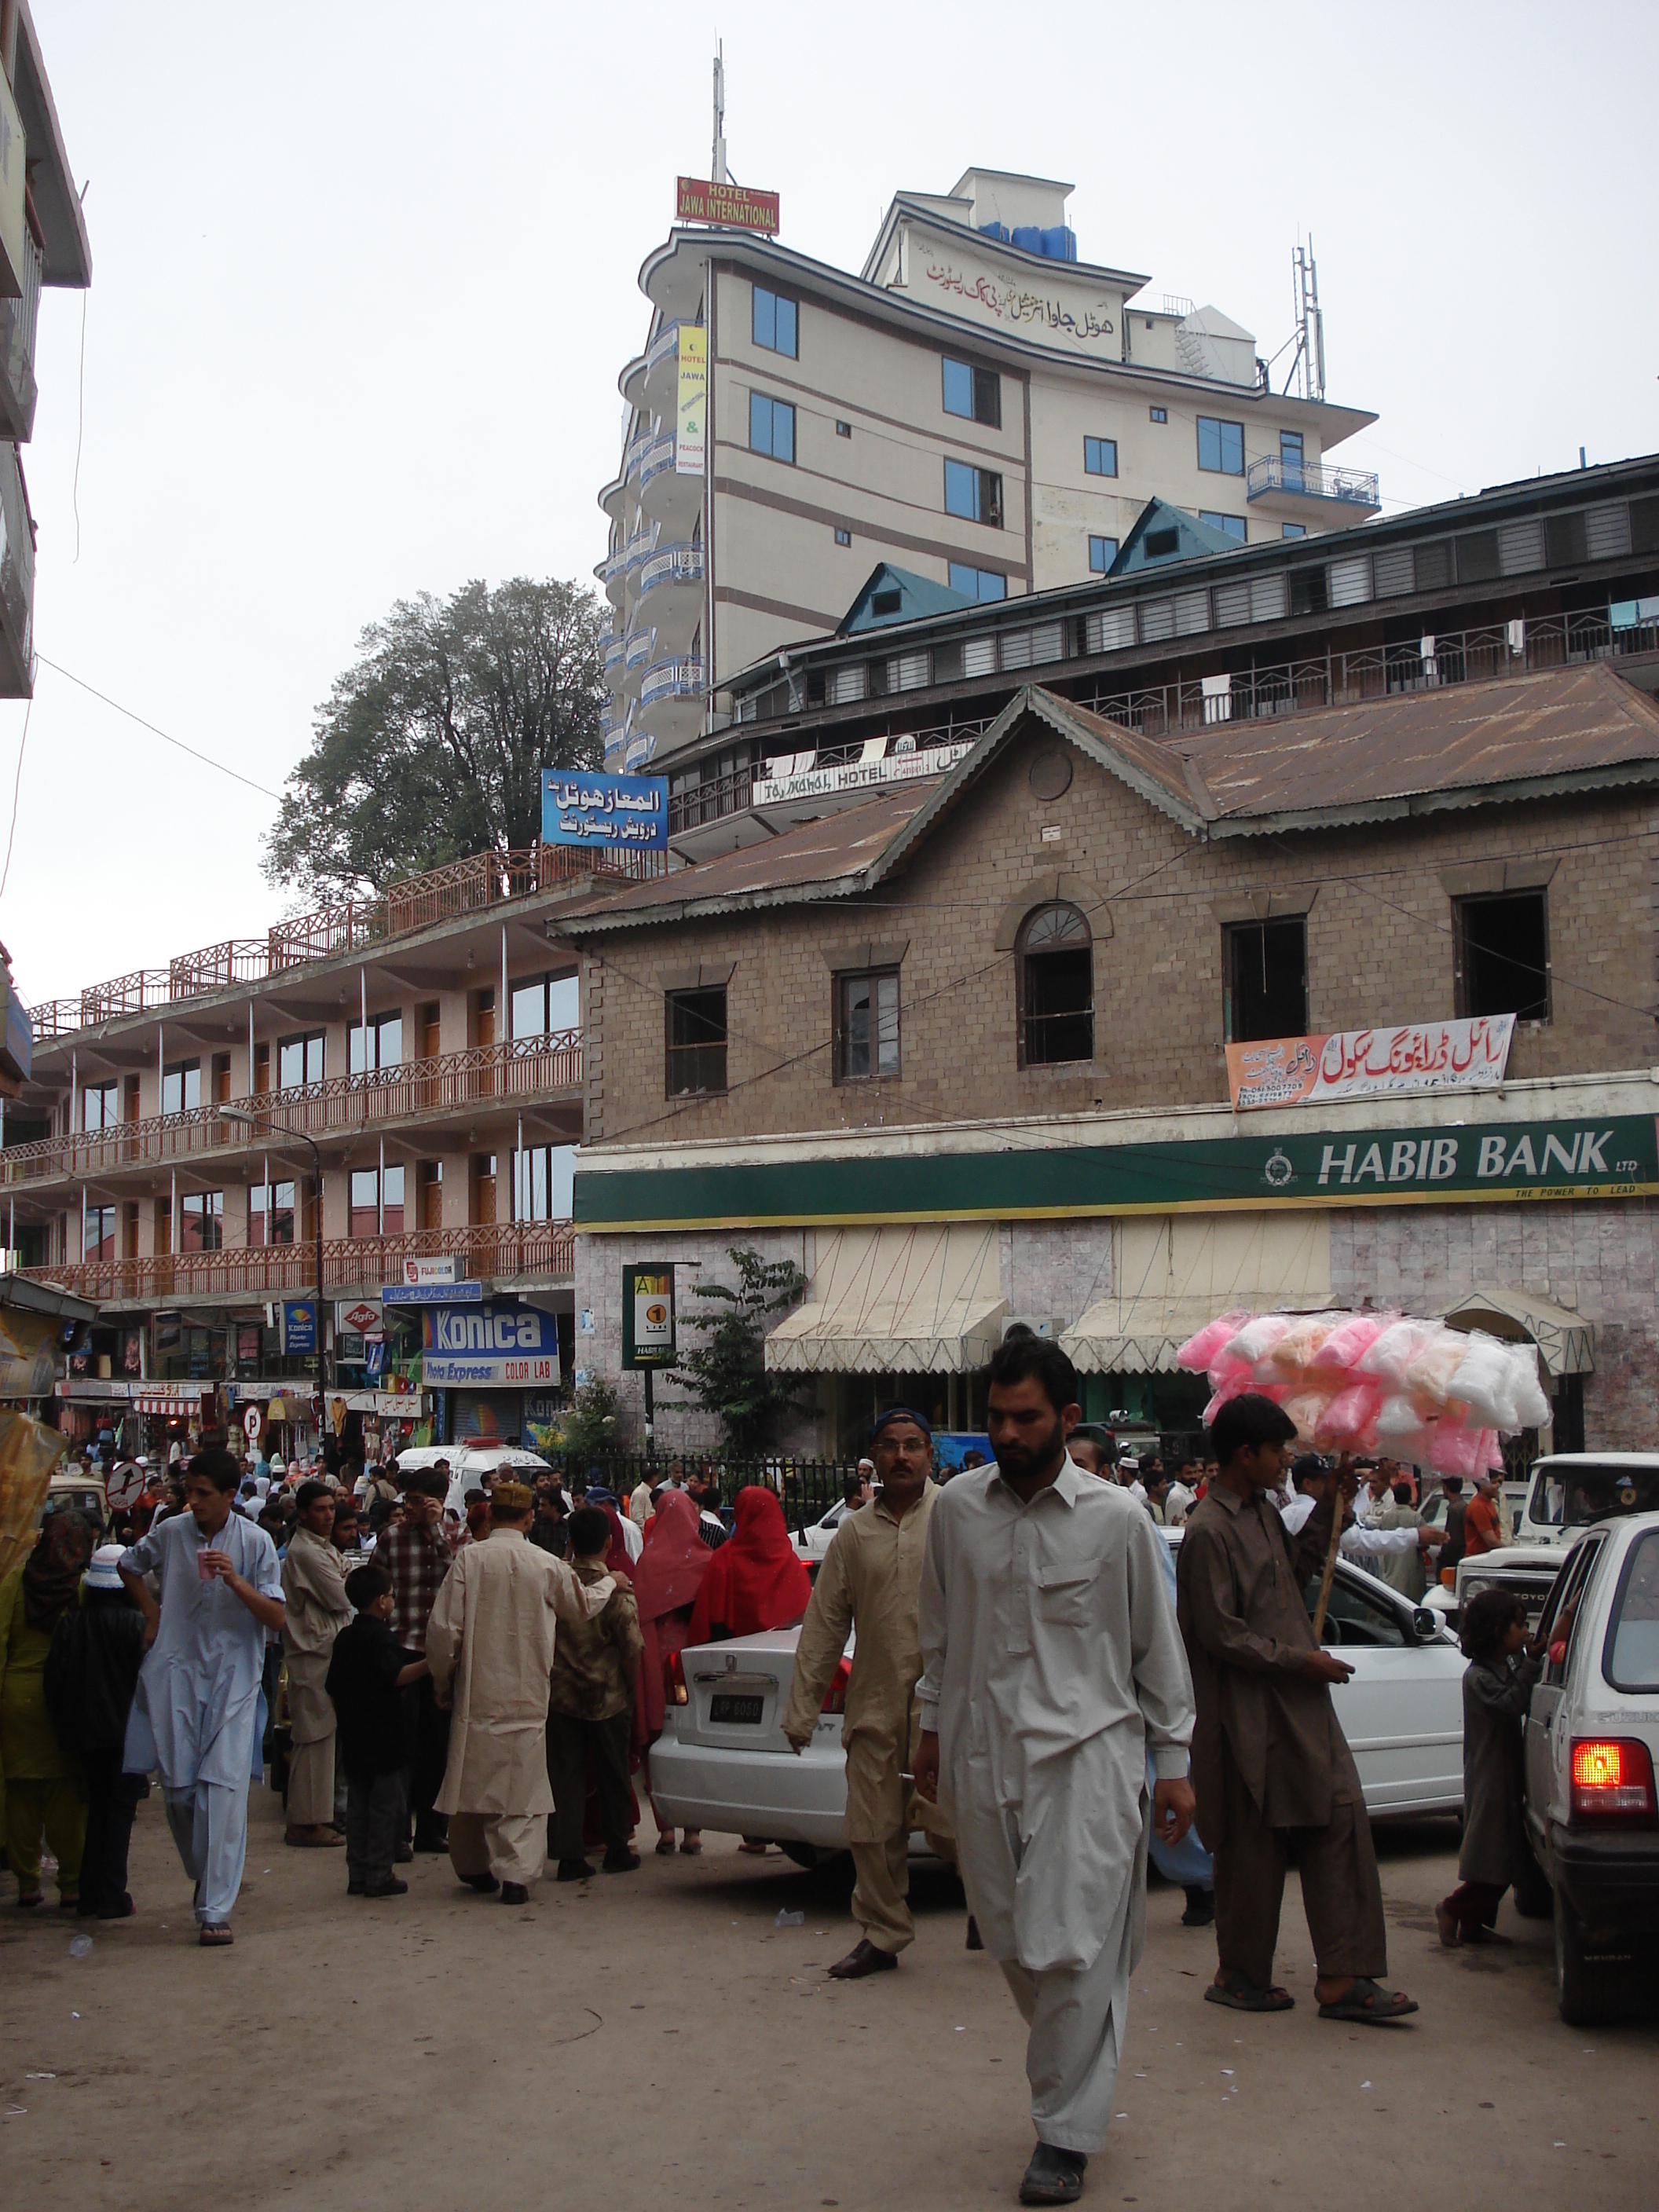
x=1330, y=1575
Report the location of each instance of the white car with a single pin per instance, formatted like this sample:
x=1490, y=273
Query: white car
x=722, y=1761
x=467, y=1463
x=1592, y=1745
x=812, y=1542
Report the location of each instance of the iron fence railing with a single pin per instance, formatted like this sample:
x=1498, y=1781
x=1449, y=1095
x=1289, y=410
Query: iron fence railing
x=808, y=1487
x=1314, y=480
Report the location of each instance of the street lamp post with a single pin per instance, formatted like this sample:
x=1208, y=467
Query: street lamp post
x=243, y=1118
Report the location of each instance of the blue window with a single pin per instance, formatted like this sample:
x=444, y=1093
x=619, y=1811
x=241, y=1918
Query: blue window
x=775, y=322
x=771, y=427
x=1100, y=457
x=1232, y=526
x=1158, y=414
x=1293, y=529
x=1291, y=458
x=973, y=493
x=1221, y=446
x=974, y=393
x=978, y=583
x=1102, y=551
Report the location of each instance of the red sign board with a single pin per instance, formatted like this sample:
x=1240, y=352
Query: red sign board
x=733, y=206
x=362, y=1319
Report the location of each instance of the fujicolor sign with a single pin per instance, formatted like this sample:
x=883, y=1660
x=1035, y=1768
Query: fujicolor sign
x=488, y=1346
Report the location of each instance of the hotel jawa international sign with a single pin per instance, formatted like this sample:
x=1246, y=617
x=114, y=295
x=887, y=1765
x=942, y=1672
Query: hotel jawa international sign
x=734, y=207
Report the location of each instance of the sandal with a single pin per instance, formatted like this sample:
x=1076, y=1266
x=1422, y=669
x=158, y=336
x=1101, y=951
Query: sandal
x=665, y=1847
x=691, y=1846
x=1446, y=1921
x=215, y=1935
x=1367, y=2003
x=1237, y=1989
x=26, y=1904
x=69, y=1900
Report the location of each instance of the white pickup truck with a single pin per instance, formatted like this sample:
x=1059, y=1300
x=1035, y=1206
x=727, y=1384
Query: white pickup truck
x=1569, y=1492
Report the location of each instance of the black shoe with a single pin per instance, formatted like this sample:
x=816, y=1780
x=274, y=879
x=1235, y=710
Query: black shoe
x=574, y=1870
x=863, y=1958
x=1200, y=1907
x=389, y=1886
x=357, y=1886
x=621, y=1862
x=485, y=1884
x=1054, y=2177
x=976, y=1941
x=124, y=1911
x=403, y=1853
x=514, y=1892
x=431, y=1835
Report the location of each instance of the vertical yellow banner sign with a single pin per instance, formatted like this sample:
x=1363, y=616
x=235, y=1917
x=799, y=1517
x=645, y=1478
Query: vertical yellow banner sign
x=693, y=400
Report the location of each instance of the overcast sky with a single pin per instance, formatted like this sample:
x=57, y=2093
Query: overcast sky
x=364, y=276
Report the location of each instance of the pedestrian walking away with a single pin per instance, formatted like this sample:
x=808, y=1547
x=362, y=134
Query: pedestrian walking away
x=195, y=1710
x=316, y=1610
x=1052, y=1666
x=870, y=1582
x=91, y=1673
x=489, y=1644
x=596, y=1663
x=43, y=1793
x=1505, y=1664
x=1272, y=1768
x=666, y=1587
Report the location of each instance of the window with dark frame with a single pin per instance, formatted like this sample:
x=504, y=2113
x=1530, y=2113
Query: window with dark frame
x=1100, y=457
x=695, y=1057
x=543, y=1005
x=1158, y=414
x=977, y=583
x=776, y=322
x=771, y=427
x=1266, y=990
x=1230, y=525
x=299, y=1061
x=843, y=537
x=181, y=1087
x=1055, y=973
x=100, y=1105
x=385, y=1044
x=867, y=1020
x=202, y=1221
x=973, y=493
x=1290, y=452
x=843, y=429
x=974, y=393
x=1220, y=447
x=1502, y=951
x=271, y=1213
x=1102, y=551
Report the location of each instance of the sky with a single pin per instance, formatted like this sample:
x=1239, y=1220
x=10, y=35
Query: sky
x=364, y=276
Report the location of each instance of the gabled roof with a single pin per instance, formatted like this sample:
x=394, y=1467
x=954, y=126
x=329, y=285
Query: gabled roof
x=1525, y=737
x=1157, y=519
x=876, y=606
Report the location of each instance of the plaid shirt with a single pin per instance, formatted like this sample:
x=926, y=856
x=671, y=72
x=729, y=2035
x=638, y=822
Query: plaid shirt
x=417, y=1559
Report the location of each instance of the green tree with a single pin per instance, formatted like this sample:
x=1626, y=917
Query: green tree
x=727, y=1375
x=591, y=1427
x=431, y=746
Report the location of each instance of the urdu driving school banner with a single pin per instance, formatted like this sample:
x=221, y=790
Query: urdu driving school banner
x=1416, y=1056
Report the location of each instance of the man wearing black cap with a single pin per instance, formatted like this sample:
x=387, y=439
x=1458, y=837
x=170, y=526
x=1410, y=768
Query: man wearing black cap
x=870, y=1578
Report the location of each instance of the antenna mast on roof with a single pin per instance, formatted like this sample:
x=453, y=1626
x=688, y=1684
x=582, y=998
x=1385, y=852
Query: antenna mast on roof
x=1308, y=361
x=717, y=159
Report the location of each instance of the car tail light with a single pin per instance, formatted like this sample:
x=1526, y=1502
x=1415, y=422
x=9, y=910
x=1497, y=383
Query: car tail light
x=673, y=1679
x=834, y=1698
x=1612, y=1779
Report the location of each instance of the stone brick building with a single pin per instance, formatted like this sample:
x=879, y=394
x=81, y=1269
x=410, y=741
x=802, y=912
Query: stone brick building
x=962, y=1051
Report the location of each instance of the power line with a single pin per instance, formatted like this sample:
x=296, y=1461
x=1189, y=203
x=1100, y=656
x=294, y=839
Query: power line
x=17, y=785
x=206, y=759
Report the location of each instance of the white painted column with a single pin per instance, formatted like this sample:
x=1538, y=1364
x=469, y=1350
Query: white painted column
x=504, y=1020
x=177, y=1221
x=363, y=1008
x=75, y=1088
x=380, y=1199
x=248, y=1093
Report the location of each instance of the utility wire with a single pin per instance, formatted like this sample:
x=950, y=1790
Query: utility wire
x=206, y=759
x=17, y=785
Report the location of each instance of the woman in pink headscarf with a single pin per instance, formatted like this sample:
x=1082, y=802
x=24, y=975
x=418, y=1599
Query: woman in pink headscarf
x=666, y=1580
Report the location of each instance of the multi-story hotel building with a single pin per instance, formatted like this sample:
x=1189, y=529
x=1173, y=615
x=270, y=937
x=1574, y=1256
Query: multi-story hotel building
x=976, y=406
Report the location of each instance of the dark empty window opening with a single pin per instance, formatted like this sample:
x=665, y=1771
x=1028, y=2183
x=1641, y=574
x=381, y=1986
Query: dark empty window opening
x=886, y=603
x=1056, y=976
x=1307, y=593
x=1503, y=951
x=866, y=1026
x=695, y=1059
x=1160, y=543
x=1266, y=988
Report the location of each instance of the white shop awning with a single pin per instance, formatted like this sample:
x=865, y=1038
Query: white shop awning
x=1565, y=1341
x=1173, y=1273
x=922, y=1299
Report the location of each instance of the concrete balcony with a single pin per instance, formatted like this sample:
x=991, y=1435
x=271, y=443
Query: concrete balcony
x=18, y=319
x=672, y=698
x=662, y=368
x=613, y=572
x=16, y=579
x=670, y=497
x=1310, y=487
x=615, y=648
x=641, y=651
x=671, y=593
x=641, y=546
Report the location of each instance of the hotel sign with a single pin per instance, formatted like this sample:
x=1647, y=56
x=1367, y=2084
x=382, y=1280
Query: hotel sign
x=732, y=206
x=586, y=808
x=856, y=775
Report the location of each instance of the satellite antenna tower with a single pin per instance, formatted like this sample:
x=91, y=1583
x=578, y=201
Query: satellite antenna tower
x=1308, y=361
x=717, y=159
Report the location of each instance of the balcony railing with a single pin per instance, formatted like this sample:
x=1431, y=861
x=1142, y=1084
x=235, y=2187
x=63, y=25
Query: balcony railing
x=658, y=457
x=665, y=346
x=673, y=564
x=673, y=679
x=1312, y=480
x=17, y=563
x=484, y=1251
x=491, y=1074
x=638, y=647
x=469, y=886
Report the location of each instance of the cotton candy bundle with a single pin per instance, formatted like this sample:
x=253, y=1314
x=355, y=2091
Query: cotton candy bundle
x=1454, y=1450
x=1241, y=1381
x=1397, y=1419
x=1532, y=1407
x=1485, y=1381
x=1299, y=1349
x=1490, y=1453
x=1394, y=1352
x=1352, y=1338
x=1198, y=1351
x=1257, y=1341
x=1349, y=1416
x=1429, y=1375
x=1307, y=1409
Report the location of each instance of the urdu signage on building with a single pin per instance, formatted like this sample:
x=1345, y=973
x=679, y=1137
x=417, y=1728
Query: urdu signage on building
x=586, y=808
x=734, y=207
x=1316, y=1071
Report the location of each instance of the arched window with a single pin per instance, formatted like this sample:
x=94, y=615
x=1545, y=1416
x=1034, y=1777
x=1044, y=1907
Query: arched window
x=1056, y=973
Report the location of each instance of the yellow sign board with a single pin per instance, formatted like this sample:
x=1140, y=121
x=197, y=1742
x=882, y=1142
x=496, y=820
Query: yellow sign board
x=692, y=412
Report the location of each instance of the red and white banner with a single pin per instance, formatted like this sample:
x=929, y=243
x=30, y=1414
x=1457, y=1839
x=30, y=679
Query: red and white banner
x=1309, y=1071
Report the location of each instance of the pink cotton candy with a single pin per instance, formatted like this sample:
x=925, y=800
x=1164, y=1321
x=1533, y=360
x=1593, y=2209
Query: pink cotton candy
x=1349, y=1414
x=1454, y=1450
x=1488, y=1453
x=1198, y=1351
x=1395, y=1351
x=1255, y=1341
x=1223, y=1369
x=1352, y=1338
x=1306, y=1408
x=1236, y=1386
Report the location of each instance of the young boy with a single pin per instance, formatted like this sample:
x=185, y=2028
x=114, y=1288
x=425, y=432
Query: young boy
x=366, y=1676
x=1504, y=1664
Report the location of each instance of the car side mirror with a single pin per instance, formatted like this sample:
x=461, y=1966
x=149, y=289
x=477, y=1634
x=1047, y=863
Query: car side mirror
x=1425, y=1626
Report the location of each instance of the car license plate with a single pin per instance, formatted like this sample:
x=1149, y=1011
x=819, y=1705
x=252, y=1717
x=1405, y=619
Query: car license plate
x=724, y=1707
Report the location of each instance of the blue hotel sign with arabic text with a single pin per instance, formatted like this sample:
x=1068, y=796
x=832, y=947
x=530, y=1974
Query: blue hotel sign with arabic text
x=614, y=811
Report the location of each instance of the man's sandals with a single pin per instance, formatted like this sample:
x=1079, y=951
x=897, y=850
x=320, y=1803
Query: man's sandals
x=215, y=1935
x=1054, y=2177
x=1238, y=1990
x=1370, y=2003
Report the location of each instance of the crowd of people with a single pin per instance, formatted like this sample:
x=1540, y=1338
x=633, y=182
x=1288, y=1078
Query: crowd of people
x=1038, y=1682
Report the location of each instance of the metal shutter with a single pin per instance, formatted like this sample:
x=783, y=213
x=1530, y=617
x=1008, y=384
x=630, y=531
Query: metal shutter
x=1192, y=613
x=1048, y=642
x=1606, y=532
x=1350, y=582
x=1232, y=605
x=1267, y=597
x=1016, y=648
x=1432, y=564
x=908, y=672
x=1521, y=546
x=1157, y=619
x=1109, y=632
x=979, y=656
x=845, y=685
x=1393, y=572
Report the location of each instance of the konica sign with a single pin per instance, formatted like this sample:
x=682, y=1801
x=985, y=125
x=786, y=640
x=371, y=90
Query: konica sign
x=490, y=1346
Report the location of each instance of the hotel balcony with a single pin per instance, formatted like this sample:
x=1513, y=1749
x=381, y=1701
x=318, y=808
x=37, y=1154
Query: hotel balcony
x=612, y=572
x=16, y=579
x=615, y=648
x=641, y=546
x=662, y=368
x=1310, y=487
x=641, y=645
x=671, y=594
x=672, y=700
x=18, y=319
x=669, y=496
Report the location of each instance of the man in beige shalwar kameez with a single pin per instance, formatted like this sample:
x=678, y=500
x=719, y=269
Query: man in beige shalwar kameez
x=314, y=1592
x=489, y=1646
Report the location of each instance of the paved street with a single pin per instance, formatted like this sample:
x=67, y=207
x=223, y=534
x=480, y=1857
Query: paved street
x=655, y=2039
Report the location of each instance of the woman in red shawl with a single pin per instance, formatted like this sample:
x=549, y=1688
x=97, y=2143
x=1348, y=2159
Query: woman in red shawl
x=666, y=1584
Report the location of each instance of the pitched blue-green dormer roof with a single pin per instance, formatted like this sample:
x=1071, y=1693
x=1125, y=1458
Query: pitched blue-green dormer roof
x=896, y=595
x=1164, y=533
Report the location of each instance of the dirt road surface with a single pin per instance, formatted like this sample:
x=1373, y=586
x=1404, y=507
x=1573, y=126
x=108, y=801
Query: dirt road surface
x=657, y=2040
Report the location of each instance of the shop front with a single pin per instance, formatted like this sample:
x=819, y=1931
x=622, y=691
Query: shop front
x=496, y=1367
